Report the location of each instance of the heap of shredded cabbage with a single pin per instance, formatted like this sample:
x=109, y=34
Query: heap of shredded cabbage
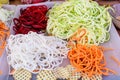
x=35, y=52
x=66, y=18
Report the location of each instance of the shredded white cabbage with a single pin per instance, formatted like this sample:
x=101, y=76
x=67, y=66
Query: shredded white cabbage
x=35, y=51
x=66, y=18
x=5, y=16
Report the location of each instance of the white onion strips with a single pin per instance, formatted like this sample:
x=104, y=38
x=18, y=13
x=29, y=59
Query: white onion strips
x=35, y=51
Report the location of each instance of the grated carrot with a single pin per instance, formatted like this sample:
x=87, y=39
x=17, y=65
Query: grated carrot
x=116, y=60
x=0, y=72
x=88, y=59
x=77, y=36
x=4, y=33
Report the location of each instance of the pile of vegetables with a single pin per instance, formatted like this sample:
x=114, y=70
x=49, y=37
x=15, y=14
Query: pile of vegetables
x=34, y=51
x=85, y=25
x=77, y=28
x=32, y=18
x=66, y=18
x=89, y=59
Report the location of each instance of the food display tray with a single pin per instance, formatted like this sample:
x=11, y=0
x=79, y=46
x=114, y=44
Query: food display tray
x=113, y=43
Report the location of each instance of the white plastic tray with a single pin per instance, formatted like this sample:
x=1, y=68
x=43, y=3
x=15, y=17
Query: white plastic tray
x=114, y=42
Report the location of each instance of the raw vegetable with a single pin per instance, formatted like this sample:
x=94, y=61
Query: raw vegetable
x=4, y=33
x=0, y=72
x=116, y=60
x=88, y=59
x=5, y=16
x=35, y=52
x=66, y=18
x=78, y=37
x=32, y=18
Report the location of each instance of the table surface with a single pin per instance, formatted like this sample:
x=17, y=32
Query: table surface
x=17, y=2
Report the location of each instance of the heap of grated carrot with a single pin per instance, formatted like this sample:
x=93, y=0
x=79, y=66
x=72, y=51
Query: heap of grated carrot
x=4, y=33
x=88, y=59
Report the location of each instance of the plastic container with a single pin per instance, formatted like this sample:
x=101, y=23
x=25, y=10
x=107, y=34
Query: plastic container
x=113, y=43
x=3, y=59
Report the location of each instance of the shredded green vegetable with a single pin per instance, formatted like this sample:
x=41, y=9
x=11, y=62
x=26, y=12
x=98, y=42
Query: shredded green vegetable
x=6, y=15
x=66, y=18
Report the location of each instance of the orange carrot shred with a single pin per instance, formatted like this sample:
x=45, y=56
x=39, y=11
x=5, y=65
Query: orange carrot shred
x=12, y=71
x=35, y=70
x=4, y=34
x=0, y=72
x=88, y=59
x=77, y=36
x=116, y=60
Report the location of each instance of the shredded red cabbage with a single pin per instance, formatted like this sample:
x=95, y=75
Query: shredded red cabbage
x=31, y=19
